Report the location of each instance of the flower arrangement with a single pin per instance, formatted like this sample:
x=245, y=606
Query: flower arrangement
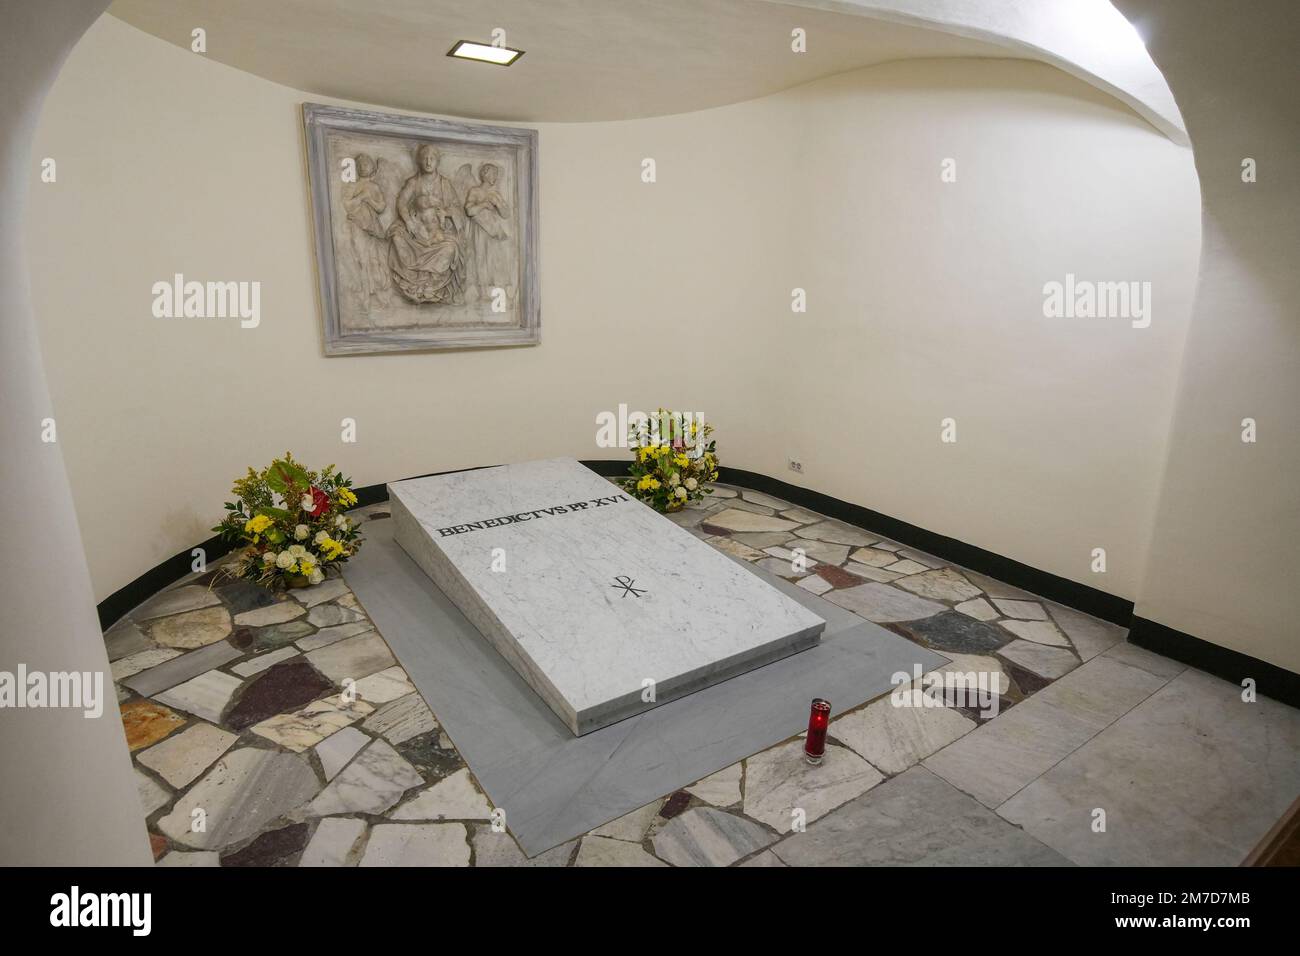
x=674, y=458
x=291, y=524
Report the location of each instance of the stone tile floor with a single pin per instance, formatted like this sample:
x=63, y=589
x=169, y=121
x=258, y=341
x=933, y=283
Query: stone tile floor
x=279, y=730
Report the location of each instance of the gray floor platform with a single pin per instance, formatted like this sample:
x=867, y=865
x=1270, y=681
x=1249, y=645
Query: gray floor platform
x=554, y=786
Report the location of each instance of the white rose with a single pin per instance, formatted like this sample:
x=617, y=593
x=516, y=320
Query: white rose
x=681, y=492
x=320, y=536
x=297, y=550
x=674, y=479
x=306, y=503
x=268, y=557
x=341, y=521
x=316, y=577
x=301, y=532
x=691, y=484
x=284, y=560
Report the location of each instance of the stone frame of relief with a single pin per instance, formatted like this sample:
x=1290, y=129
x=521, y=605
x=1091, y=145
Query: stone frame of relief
x=425, y=231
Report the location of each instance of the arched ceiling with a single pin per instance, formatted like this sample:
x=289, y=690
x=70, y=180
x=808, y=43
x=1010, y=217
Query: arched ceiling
x=585, y=60
x=592, y=60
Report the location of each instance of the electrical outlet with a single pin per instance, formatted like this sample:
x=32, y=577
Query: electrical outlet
x=796, y=465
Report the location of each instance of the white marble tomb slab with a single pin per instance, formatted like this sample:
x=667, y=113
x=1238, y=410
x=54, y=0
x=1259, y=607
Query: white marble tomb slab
x=563, y=614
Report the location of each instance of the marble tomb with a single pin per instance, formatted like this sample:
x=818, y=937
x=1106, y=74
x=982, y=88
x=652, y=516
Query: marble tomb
x=603, y=606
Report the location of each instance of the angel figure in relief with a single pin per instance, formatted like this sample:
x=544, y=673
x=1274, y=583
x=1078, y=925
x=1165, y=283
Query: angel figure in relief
x=488, y=217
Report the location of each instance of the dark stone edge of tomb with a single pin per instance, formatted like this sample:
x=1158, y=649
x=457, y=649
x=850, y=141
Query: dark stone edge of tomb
x=1270, y=680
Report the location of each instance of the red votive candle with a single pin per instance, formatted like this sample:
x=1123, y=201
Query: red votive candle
x=818, y=720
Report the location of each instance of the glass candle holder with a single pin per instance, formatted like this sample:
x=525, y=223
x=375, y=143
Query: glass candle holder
x=814, y=747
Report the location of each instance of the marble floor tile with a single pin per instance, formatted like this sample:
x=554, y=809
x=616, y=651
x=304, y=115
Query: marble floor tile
x=417, y=844
x=455, y=798
x=1022, y=610
x=279, y=689
x=336, y=842
x=820, y=550
x=246, y=790
x=801, y=516
x=722, y=789
x=922, y=557
x=996, y=589
x=759, y=540
x=336, y=750
x=837, y=532
x=1089, y=635
x=186, y=858
x=735, y=548
x=766, y=858
x=141, y=661
x=181, y=758
x=305, y=728
x=153, y=795
x=874, y=557
x=767, y=501
x=605, y=851
x=493, y=848
x=869, y=573
x=332, y=635
x=1040, y=632
x=331, y=615
x=260, y=663
x=386, y=685
x=955, y=632
x=279, y=613
x=707, y=836
x=1141, y=658
x=353, y=657
x=734, y=519
x=177, y=600
x=402, y=719
x=147, y=723
x=1192, y=776
x=278, y=635
x=191, y=629
x=941, y=585
x=281, y=846
x=177, y=670
x=779, y=782
x=815, y=583
x=372, y=783
x=631, y=827
x=915, y=819
x=741, y=504
x=973, y=665
x=204, y=696
x=1007, y=753
x=905, y=567
x=979, y=609
x=124, y=639
x=892, y=738
x=1041, y=659
x=881, y=603
x=783, y=568
x=320, y=593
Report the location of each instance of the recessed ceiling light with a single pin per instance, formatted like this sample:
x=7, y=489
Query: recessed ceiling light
x=484, y=52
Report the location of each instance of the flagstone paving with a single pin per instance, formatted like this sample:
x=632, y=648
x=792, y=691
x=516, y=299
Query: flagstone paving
x=286, y=720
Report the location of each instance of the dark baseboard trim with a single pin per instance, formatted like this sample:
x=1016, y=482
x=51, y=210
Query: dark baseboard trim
x=1233, y=666
x=1270, y=680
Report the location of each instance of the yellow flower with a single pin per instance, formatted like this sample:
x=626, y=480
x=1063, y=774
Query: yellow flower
x=257, y=525
x=680, y=460
x=330, y=548
x=647, y=484
x=346, y=497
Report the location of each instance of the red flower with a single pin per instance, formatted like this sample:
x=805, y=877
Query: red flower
x=320, y=501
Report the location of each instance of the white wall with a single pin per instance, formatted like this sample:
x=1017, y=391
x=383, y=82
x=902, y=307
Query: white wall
x=925, y=301
x=67, y=794
x=1225, y=556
